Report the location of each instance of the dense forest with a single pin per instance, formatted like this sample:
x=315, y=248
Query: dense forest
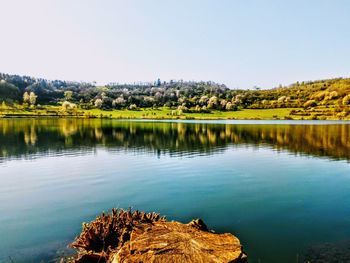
x=186, y=96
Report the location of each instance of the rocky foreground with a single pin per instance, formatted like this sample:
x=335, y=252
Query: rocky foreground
x=127, y=236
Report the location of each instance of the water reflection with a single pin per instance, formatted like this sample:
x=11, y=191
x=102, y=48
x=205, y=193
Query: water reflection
x=28, y=138
x=273, y=202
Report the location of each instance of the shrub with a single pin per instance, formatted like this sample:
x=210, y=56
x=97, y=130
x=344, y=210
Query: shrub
x=98, y=103
x=133, y=107
x=346, y=100
x=310, y=103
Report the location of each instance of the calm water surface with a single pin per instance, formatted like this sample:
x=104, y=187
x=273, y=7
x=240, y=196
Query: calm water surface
x=282, y=187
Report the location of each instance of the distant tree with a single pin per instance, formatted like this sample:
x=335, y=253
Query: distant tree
x=223, y=104
x=26, y=97
x=98, y=103
x=229, y=106
x=104, y=95
x=203, y=100
x=213, y=102
x=237, y=100
x=333, y=95
x=150, y=101
x=282, y=99
x=32, y=98
x=346, y=100
x=107, y=102
x=182, y=108
x=133, y=107
x=65, y=105
x=310, y=103
x=68, y=95
x=8, y=91
x=205, y=109
x=68, y=107
x=119, y=102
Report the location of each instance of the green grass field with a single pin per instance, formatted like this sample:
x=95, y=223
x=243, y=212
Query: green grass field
x=17, y=111
x=164, y=113
x=161, y=113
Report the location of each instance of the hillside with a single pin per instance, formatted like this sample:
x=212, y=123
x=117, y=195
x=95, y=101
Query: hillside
x=314, y=99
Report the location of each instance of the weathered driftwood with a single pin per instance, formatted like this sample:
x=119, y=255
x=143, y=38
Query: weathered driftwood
x=126, y=236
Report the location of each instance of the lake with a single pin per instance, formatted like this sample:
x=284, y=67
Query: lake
x=282, y=187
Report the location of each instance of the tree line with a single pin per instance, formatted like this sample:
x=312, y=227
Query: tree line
x=186, y=96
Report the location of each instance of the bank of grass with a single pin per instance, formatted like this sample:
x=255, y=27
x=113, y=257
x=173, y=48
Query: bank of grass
x=166, y=113
x=318, y=113
x=257, y=114
x=160, y=113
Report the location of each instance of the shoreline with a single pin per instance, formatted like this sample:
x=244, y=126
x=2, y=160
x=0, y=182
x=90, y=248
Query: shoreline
x=178, y=118
x=166, y=113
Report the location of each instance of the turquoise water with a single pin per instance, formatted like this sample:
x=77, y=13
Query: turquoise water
x=281, y=187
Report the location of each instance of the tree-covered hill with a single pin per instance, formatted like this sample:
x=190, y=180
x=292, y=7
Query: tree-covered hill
x=186, y=95
x=321, y=92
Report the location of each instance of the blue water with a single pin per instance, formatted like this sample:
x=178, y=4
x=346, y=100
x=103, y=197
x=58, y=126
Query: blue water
x=280, y=187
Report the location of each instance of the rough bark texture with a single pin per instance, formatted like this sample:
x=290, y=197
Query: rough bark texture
x=125, y=236
x=165, y=242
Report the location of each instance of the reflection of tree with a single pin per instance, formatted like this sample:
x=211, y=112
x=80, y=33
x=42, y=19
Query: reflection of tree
x=30, y=136
x=67, y=127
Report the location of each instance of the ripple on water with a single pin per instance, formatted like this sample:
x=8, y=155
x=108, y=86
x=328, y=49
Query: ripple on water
x=277, y=186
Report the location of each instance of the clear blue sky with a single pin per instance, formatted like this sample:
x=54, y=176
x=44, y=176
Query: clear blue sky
x=241, y=43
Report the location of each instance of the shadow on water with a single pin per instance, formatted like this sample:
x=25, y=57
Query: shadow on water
x=43, y=254
x=328, y=253
x=32, y=138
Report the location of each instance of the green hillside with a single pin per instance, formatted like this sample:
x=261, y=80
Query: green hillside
x=322, y=99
